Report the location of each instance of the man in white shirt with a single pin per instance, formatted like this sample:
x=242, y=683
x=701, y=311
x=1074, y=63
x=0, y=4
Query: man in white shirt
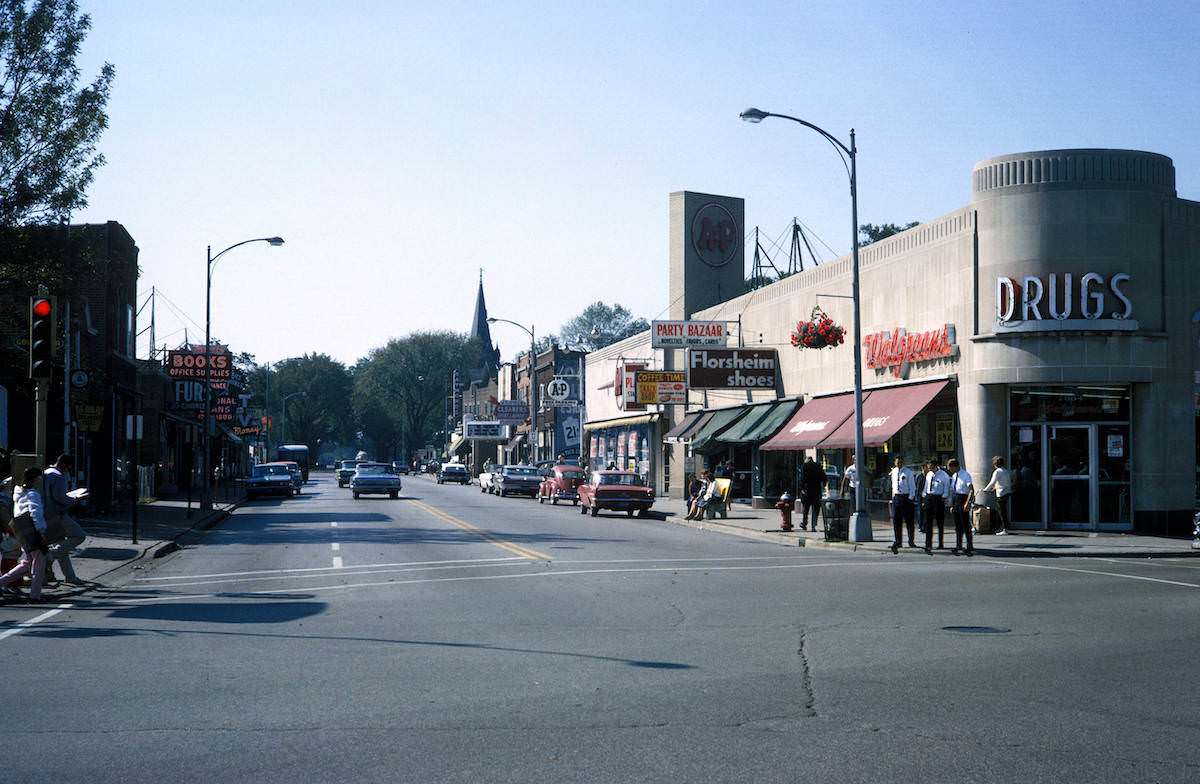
x=937, y=498
x=850, y=478
x=962, y=493
x=904, y=493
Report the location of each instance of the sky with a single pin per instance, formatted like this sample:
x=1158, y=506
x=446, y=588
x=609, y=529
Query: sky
x=400, y=148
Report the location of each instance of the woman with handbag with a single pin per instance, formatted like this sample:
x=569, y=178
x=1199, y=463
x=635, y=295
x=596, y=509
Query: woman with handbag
x=28, y=525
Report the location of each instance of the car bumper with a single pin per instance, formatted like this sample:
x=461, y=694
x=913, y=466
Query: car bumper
x=621, y=504
x=254, y=491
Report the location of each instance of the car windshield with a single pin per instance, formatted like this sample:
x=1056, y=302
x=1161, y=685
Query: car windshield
x=452, y=469
x=374, y=470
x=521, y=471
x=572, y=474
x=269, y=470
x=629, y=480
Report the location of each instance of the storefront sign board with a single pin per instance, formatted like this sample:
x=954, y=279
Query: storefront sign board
x=661, y=387
x=478, y=430
x=683, y=334
x=898, y=349
x=1053, y=297
x=511, y=412
x=190, y=364
x=732, y=368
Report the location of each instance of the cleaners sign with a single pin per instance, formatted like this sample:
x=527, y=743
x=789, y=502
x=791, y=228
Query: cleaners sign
x=732, y=368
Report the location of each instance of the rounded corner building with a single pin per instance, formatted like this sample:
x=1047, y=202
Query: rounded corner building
x=1052, y=322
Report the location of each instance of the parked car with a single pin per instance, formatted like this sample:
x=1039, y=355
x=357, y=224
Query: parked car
x=293, y=469
x=518, y=480
x=560, y=483
x=400, y=466
x=621, y=491
x=269, y=479
x=345, y=471
x=487, y=479
x=453, y=472
x=377, y=478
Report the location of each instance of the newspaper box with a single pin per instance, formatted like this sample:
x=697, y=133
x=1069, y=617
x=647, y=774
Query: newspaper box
x=836, y=513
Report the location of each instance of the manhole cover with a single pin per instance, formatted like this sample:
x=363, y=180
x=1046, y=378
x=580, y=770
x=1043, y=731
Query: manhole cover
x=976, y=629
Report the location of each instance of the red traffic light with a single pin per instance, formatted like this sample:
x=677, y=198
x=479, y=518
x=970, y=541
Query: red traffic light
x=41, y=308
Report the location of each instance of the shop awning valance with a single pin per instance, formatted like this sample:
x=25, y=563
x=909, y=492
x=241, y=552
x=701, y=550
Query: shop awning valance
x=640, y=419
x=815, y=420
x=885, y=411
x=760, y=423
x=717, y=422
x=515, y=441
x=690, y=422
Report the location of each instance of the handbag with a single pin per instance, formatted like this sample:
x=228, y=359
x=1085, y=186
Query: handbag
x=26, y=532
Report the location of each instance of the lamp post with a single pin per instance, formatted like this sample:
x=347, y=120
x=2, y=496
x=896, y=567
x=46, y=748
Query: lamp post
x=860, y=522
x=286, y=398
x=533, y=455
x=206, y=493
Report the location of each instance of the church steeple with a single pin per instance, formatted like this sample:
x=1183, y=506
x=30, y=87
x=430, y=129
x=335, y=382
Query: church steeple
x=489, y=355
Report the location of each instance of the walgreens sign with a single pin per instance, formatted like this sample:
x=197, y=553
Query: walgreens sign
x=898, y=349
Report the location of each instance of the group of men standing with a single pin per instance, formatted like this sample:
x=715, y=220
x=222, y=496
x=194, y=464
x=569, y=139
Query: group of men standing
x=936, y=489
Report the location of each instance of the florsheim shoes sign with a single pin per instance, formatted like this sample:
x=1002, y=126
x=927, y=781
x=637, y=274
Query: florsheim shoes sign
x=732, y=368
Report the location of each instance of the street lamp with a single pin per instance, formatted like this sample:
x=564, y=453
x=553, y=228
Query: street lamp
x=286, y=398
x=206, y=495
x=860, y=522
x=532, y=386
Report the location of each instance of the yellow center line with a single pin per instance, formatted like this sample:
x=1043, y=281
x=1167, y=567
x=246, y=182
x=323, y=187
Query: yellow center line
x=524, y=552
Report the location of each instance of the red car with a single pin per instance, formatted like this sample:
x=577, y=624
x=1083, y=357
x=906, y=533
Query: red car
x=616, y=490
x=561, y=483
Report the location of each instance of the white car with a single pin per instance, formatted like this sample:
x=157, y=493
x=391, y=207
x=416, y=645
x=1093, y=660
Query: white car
x=376, y=478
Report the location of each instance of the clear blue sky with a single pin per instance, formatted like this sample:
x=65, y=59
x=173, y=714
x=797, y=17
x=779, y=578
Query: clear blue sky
x=399, y=147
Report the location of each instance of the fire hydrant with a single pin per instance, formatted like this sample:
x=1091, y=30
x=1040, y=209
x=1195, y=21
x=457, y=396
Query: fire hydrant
x=785, y=510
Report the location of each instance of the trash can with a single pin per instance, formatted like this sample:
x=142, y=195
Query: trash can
x=836, y=513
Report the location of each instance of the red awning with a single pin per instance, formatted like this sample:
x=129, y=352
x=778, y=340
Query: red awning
x=815, y=420
x=885, y=411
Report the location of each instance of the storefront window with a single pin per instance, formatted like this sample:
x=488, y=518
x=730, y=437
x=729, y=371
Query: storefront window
x=1065, y=404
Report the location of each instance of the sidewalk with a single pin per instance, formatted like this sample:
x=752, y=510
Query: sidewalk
x=109, y=544
x=764, y=524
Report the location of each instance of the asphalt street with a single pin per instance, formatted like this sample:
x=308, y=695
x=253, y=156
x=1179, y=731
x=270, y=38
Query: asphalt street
x=455, y=636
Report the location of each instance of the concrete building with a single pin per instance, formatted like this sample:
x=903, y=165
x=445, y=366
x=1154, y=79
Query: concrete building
x=1049, y=322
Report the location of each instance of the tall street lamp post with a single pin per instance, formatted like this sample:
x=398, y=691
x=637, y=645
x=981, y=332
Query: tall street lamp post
x=533, y=455
x=206, y=494
x=860, y=522
x=286, y=398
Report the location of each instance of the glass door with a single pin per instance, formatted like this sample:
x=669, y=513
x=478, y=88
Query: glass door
x=1026, y=451
x=1070, y=476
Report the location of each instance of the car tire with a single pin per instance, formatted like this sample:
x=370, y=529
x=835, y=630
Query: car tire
x=576, y=502
x=554, y=501
x=583, y=509
x=394, y=495
x=502, y=492
x=629, y=513
x=541, y=499
x=356, y=496
x=594, y=510
x=482, y=489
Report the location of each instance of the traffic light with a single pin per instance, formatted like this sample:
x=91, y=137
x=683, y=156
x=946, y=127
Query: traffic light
x=42, y=315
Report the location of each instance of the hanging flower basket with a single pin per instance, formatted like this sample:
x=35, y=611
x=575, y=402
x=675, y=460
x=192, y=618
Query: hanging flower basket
x=818, y=332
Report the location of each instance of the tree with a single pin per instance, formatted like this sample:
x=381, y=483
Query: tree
x=872, y=233
x=320, y=415
x=48, y=125
x=401, y=389
x=600, y=325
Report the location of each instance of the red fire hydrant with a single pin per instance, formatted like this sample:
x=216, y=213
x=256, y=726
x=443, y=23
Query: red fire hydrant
x=785, y=510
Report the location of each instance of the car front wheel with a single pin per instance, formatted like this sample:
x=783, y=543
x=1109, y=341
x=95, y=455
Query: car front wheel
x=595, y=510
x=356, y=495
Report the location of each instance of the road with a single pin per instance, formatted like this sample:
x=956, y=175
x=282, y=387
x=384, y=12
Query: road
x=452, y=636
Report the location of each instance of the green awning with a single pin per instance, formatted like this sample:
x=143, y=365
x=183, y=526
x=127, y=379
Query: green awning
x=760, y=423
x=717, y=422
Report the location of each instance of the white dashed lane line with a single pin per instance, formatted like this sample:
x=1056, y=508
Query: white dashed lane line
x=337, y=547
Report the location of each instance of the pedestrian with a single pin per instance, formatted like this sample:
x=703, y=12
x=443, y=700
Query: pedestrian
x=904, y=494
x=937, y=498
x=812, y=486
x=962, y=494
x=560, y=461
x=691, y=493
x=63, y=534
x=1001, y=483
x=920, y=506
x=850, y=478
x=701, y=498
x=27, y=500
x=10, y=548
